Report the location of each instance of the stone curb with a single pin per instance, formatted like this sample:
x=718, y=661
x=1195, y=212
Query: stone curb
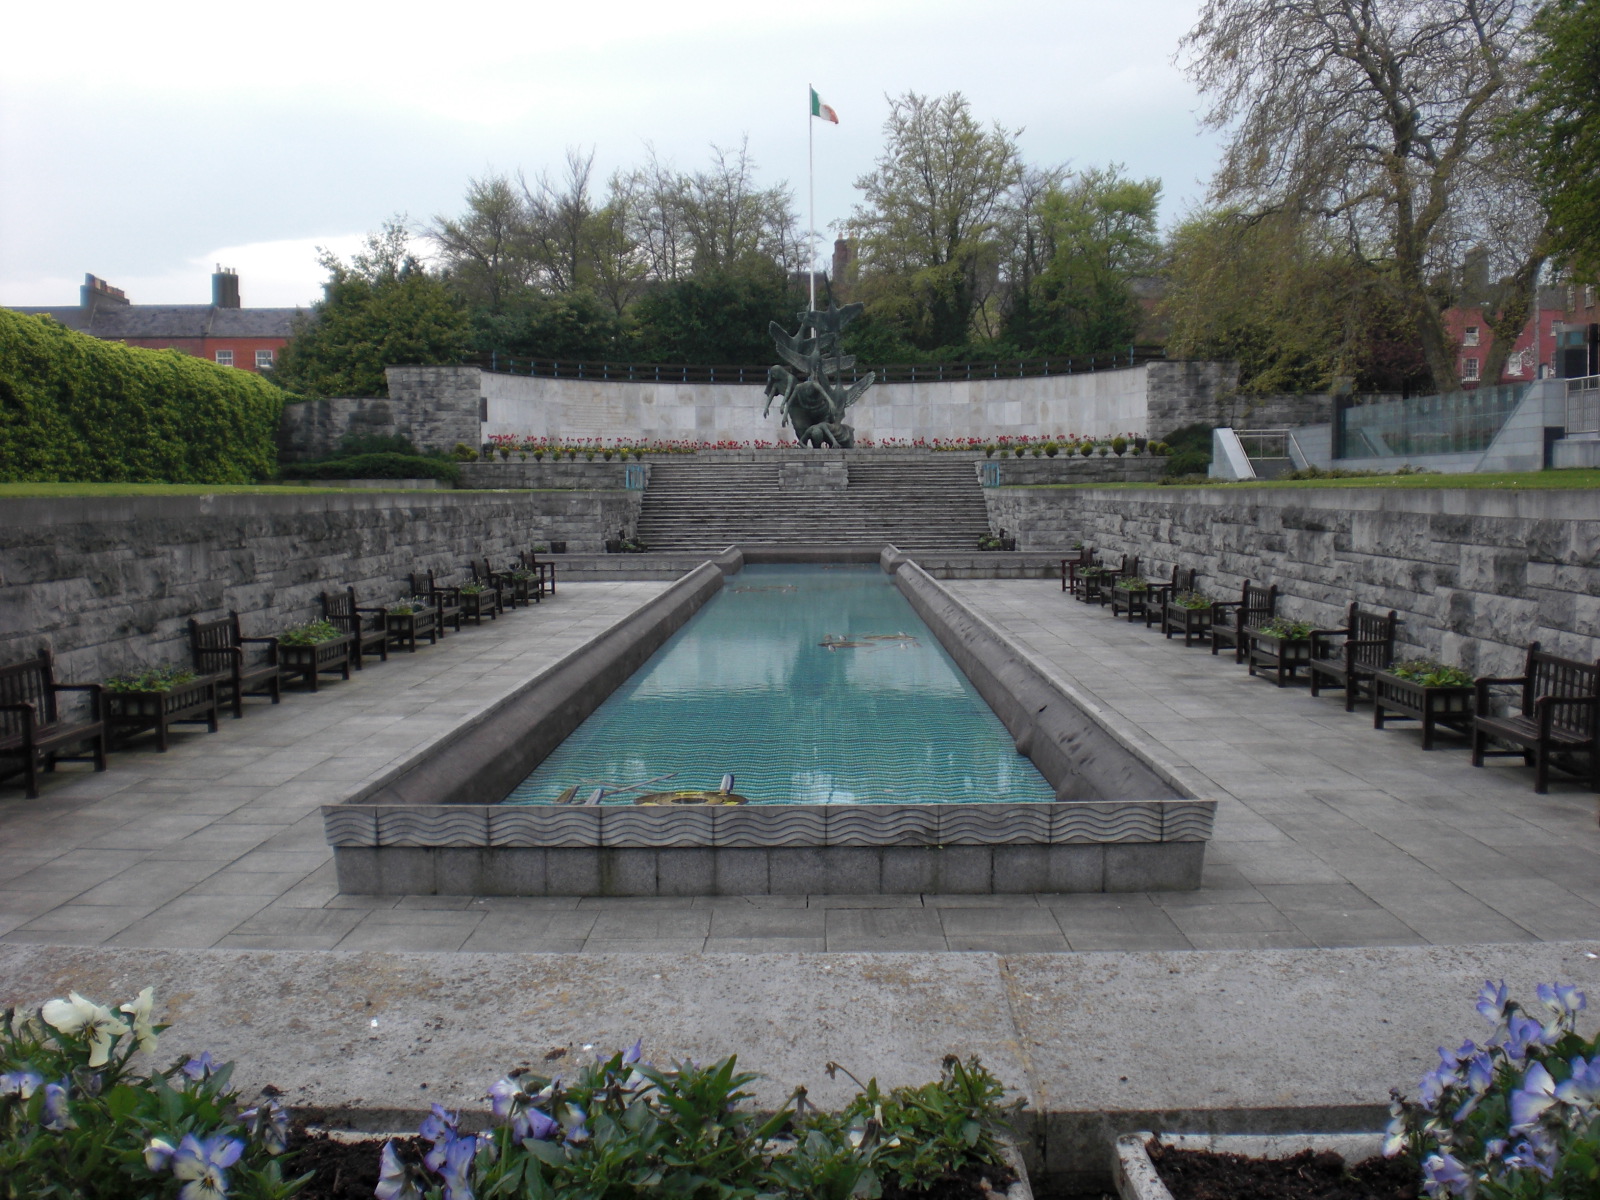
x=1136, y=1177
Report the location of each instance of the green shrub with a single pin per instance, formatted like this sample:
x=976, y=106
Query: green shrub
x=375, y=466
x=1189, y=450
x=75, y=409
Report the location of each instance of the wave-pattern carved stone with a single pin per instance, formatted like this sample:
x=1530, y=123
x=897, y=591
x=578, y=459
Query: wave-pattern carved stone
x=544, y=825
x=1188, y=820
x=433, y=825
x=350, y=824
x=773, y=825
x=883, y=825
x=994, y=824
x=1107, y=821
x=657, y=826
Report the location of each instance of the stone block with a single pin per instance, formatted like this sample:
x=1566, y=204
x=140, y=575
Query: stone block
x=514, y=871
x=907, y=870
x=685, y=871
x=571, y=871
x=1076, y=868
x=627, y=872
x=964, y=870
x=794, y=870
x=385, y=871
x=740, y=872
x=460, y=872
x=1154, y=866
x=850, y=870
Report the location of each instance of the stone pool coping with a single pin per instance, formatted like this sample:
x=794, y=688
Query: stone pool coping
x=435, y=826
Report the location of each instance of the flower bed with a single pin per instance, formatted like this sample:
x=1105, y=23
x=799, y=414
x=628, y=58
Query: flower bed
x=81, y=1114
x=312, y=649
x=1426, y=691
x=1281, y=646
x=158, y=699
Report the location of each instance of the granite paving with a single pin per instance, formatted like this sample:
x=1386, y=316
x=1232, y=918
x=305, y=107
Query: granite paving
x=1329, y=834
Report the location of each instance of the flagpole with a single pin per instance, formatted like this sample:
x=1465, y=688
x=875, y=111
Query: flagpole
x=811, y=182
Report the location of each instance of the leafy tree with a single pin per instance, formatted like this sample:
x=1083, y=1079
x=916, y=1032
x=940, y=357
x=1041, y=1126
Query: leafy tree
x=574, y=326
x=382, y=309
x=716, y=319
x=1077, y=249
x=1370, y=123
x=485, y=250
x=1298, y=314
x=1560, y=125
x=926, y=230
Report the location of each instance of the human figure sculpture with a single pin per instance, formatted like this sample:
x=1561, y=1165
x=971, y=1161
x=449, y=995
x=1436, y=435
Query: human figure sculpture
x=812, y=398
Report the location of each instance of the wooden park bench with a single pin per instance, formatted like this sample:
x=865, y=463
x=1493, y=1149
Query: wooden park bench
x=1559, y=715
x=1231, y=620
x=1072, y=564
x=546, y=570
x=1368, y=648
x=364, y=626
x=1097, y=589
x=33, y=730
x=220, y=648
x=446, y=600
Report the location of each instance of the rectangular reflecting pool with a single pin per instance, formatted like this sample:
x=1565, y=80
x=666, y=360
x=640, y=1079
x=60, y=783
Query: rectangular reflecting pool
x=808, y=684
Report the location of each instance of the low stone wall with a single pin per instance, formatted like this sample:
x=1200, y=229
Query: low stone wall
x=1474, y=574
x=435, y=407
x=109, y=583
x=530, y=473
x=1074, y=468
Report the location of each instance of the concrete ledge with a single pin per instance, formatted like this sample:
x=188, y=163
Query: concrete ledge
x=1075, y=745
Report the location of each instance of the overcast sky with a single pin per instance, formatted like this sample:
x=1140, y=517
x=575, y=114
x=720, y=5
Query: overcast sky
x=145, y=143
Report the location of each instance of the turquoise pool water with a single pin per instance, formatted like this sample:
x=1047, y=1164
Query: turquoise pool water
x=810, y=685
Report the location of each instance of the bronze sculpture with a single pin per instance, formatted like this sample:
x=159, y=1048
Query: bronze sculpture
x=811, y=395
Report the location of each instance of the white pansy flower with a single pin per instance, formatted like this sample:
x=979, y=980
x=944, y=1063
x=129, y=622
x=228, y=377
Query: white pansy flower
x=78, y=1015
x=139, y=1009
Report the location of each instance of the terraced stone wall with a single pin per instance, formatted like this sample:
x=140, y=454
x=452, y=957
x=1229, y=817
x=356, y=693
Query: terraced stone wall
x=1474, y=574
x=109, y=583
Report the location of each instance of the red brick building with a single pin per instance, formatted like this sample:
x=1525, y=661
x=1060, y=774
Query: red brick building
x=222, y=331
x=1558, y=309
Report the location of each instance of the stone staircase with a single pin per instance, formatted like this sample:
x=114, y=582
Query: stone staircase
x=931, y=502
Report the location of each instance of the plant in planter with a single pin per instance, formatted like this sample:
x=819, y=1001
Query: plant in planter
x=313, y=649
x=1118, y=445
x=1518, y=1116
x=1280, y=645
x=1188, y=613
x=988, y=450
x=1427, y=691
x=408, y=619
x=77, y=1118
x=1086, y=448
x=158, y=698
x=1130, y=595
x=1051, y=449
x=479, y=600
x=626, y=1127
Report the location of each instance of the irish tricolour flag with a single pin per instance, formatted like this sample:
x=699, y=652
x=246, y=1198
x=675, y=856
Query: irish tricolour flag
x=819, y=109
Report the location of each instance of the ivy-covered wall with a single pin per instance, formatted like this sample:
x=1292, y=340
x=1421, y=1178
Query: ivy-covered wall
x=77, y=409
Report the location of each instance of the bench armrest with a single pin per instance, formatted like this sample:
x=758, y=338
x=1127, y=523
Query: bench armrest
x=1545, y=708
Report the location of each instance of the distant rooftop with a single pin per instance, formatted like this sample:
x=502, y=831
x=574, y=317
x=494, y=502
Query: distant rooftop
x=105, y=312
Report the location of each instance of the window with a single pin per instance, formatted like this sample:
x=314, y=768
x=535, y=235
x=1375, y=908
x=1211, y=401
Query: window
x=1588, y=295
x=1469, y=336
x=1517, y=364
x=263, y=360
x=1469, y=369
x=224, y=358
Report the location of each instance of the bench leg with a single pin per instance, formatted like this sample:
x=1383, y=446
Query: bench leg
x=1479, y=745
x=1541, y=770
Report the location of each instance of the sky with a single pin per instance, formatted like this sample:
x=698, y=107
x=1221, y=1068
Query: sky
x=149, y=143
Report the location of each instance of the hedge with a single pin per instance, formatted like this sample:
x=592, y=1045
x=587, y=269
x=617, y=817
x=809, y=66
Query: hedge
x=75, y=409
x=374, y=466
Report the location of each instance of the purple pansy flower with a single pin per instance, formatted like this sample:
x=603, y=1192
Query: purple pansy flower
x=1443, y=1175
x=202, y=1164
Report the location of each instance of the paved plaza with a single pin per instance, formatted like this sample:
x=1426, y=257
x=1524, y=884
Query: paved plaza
x=1328, y=834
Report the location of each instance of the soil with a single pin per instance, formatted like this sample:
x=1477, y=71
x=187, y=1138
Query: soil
x=1309, y=1175
x=349, y=1171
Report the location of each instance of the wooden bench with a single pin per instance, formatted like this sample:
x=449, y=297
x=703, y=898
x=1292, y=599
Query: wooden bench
x=547, y=570
x=1096, y=589
x=1231, y=619
x=1071, y=565
x=365, y=626
x=33, y=730
x=1559, y=714
x=446, y=600
x=1368, y=648
x=516, y=585
x=1159, y=591
x=1139, y=602
x=219, y=648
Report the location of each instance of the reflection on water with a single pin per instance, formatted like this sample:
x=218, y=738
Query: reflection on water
x=810, y=685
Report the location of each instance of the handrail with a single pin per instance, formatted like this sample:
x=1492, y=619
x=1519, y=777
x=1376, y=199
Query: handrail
x=1583, y=405
x=748, y=374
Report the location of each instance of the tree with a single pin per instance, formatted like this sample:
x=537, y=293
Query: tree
x=926, y=229
x=485, y=250
x=1371, y=120
x=381, y=310
x=715, y=318
x=1297, y=314
x=1560, y=125
x=1077, y=247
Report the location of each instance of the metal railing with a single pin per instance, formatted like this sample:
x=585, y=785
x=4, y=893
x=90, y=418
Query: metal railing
x=1583, y=405
x=1451, y=423
x=1020, y=368
x=1265, y=443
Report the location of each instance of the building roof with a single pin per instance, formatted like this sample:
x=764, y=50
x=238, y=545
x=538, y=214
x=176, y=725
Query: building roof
x=173, y=321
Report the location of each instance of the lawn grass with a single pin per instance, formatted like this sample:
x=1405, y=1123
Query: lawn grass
x=35, y=490
x=1506, y=481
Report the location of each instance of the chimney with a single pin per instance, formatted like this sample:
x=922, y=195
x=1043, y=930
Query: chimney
x=224, y=288
x=96, y=291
